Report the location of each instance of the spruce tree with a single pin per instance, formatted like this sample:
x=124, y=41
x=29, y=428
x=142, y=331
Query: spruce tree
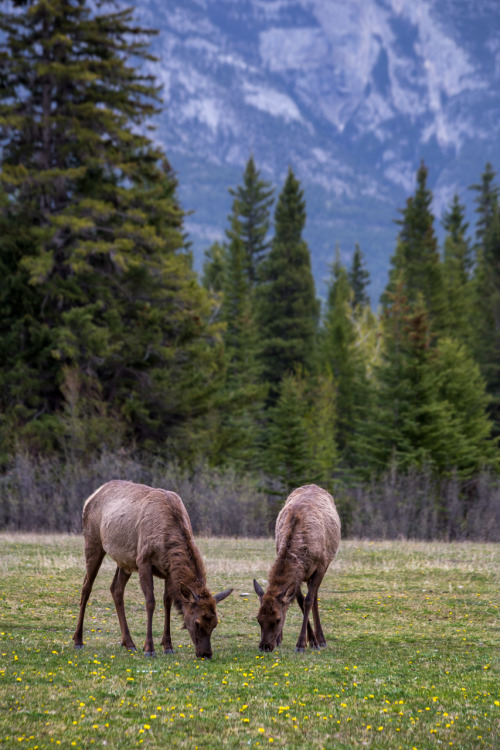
x=359, y=278
x=287, y=307
x=457, y=267
x=487, y=201
x=429, y=402
x=112, y=303
x=340, y=355
x=251, y=205
x=213, y=268
x=243, y=393
x=487, y=329
x=416, y=262
x=300, y=446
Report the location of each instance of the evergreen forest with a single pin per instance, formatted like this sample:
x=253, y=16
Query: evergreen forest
x=235, y=385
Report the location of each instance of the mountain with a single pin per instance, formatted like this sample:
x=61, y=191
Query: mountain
x=352, y=93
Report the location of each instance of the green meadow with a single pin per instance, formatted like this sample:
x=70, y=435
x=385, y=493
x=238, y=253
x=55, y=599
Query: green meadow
x=413, y=634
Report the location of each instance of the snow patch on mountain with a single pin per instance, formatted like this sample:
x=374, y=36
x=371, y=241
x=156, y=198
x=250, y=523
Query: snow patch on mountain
x=274, y=102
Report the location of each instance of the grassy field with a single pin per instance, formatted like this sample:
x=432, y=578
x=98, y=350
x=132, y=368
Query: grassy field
x=413, y=634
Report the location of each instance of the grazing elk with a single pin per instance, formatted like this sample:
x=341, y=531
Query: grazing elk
x=307, y=540
x=148, y=530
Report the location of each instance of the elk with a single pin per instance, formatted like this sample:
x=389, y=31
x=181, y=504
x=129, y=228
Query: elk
x=307, y=540
x=148, y=530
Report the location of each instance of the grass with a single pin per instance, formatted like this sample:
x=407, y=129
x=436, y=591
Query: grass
x=413, y=634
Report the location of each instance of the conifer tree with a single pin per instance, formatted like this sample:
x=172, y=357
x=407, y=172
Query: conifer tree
x=457, y=267
x=287, y=307
x=429, y=402
x=244, y=393
x=112, y=301
x=487, y=201
x=416, y=262
x=359, y=278
x=341, y=356
x=300, y=446
x=251, y=205
x=487, y=330
x=321, y=428
x=213, y=268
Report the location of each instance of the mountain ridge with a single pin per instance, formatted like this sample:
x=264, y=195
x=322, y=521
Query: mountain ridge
x=351, y=95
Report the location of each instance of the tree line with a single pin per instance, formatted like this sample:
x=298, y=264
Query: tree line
x=110, y=340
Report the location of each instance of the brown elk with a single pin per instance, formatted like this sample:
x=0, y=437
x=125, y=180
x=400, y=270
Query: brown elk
x=307, y=540
x=148, y=530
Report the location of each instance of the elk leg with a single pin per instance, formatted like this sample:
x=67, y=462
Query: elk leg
x=117, y=590
x=146, y=579
x=312, y=590
x=167, y=640
x=93, y=559
x=320, y=638
x=279, y=639
x=310, y=633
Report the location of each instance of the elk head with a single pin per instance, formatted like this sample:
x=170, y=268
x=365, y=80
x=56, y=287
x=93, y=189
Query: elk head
x=272, y=613
x=200, y=617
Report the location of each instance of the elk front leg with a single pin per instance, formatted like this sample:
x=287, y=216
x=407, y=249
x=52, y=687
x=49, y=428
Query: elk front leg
x=93, y=559
x=318, y=630
x=146, y=580
x=167, y=640
x=312, y=590
x=310, y=633
x=117, y=590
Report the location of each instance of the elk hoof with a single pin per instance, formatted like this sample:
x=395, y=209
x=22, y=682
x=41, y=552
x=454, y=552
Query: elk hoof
x=151, y=654
x=299, y=649
x=78, y=645
x=322, y=645
x=168, y=650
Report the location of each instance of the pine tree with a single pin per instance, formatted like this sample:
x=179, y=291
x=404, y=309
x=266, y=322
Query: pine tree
x=338, y=351
x=321, y=427
x=287, y=307
x=213, y=268
x=487, y=329
x=251, y=205
x=359, y=278
x=300, y=446
x=416, y=262
x=244, y=393
x=112, y=300
x=457, y=266
x=287, y=454
x=429, y=401
x=487, y=201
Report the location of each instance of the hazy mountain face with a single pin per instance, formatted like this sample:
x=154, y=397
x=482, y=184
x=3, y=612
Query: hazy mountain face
x=351, y=93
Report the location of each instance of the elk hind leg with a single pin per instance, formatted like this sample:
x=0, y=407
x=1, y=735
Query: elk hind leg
x=167, y=639
x=310, y=633
x=146, y=579
x=312, y=586
x=320, y=638
x=117, y=591
x=94, y=555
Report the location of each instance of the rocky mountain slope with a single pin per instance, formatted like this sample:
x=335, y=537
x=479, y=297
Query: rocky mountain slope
x=351, y=93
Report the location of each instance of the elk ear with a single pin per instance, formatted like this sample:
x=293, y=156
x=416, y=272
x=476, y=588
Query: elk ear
x=287, y=595
x=188, y=594
x=219, y=597
x=258, y=589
